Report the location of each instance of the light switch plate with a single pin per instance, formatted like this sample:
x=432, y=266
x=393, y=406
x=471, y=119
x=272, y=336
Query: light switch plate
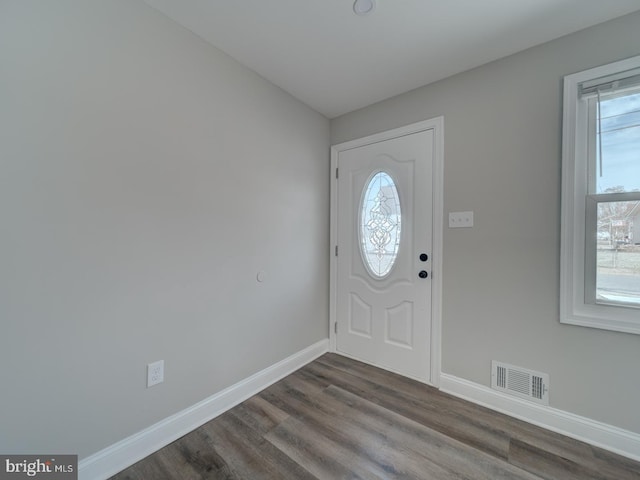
x=460, y=219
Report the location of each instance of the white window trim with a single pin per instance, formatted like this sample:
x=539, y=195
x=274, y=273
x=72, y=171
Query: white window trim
x=573, y=308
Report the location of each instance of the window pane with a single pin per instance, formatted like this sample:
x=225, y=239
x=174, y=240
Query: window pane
x=618, y=257
x=619, y=170
x=380, y=221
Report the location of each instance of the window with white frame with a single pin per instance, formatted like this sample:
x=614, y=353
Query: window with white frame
x=600, y=255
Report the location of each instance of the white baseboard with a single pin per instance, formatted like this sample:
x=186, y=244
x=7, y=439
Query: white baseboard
x=608, y=437
x=125, y=453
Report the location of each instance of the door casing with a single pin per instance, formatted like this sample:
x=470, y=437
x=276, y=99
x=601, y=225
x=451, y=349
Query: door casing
x=437, y=125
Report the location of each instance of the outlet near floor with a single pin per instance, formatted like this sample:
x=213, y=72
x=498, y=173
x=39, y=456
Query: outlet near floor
x=155, y=373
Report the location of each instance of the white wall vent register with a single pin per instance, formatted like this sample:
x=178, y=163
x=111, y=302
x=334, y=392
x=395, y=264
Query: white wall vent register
x=523, y=383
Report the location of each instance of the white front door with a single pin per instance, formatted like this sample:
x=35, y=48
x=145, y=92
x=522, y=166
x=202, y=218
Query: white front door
x=384, y=237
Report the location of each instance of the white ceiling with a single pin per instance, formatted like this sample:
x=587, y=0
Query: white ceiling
x=335, y=61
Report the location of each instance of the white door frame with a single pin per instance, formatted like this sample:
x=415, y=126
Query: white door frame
x=437, y=125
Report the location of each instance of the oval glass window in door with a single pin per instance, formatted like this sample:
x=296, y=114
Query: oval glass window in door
x=380, y=224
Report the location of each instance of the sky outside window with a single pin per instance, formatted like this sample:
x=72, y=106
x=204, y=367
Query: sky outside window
x=620, y=135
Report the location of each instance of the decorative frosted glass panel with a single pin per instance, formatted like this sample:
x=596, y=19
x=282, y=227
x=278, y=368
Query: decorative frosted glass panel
x=380, y=222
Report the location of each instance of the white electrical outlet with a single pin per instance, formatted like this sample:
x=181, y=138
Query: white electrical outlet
x=460, y=219
x=155, y=373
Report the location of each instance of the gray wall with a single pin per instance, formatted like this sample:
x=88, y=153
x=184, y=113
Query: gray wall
x=145, y=178
x=501, y=278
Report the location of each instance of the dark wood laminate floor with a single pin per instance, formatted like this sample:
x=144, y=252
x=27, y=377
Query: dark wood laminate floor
x=340, y=419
